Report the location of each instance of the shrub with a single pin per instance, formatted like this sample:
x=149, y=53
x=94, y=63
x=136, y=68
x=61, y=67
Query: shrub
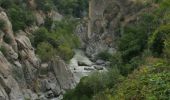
x=2, y=24
x=104, y=55
x=156, y=42
x=94, y=84
x=40, y=35
x=167, y=46
x=7, y=39
x=147, y=83
x=76, y=8
x=45, y=5
x=45, y=51
x=3, y=50
x=65, y=52
x=20, y=17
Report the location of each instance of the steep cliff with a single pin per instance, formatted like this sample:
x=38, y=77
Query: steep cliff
x=106, y=21
x=22, y=74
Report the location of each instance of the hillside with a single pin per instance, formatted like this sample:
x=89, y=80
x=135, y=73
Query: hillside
x=84, y=49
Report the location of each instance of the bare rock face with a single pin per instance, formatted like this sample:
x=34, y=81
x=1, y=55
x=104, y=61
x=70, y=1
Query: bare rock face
x=8, y=30
x=63, y=73
x=8, y=83
x=3, y=95
x=28, y=59
x=105, y=24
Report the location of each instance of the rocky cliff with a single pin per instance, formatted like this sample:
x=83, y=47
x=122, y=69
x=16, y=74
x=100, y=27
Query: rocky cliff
x=22, y=75
x=107, y=19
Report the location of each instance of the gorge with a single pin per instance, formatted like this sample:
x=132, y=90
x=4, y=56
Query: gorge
x=84, y=49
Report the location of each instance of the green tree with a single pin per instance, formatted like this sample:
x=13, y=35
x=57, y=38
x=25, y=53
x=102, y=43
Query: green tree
x=45, y=51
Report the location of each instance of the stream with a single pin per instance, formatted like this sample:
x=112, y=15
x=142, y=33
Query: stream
x=81, y=65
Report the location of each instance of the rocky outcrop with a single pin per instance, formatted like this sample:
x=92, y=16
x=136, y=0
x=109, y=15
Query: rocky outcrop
x=22, y=76
x=105, y=23
x=63, y=74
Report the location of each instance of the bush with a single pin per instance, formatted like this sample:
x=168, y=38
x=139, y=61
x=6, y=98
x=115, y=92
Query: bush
x=3, y=50
x=76, y=8
x=45, y=5
x=104, y=56
x=147, y=83
x=2, y=24
x=7, y=39
x=156, y=42
x=65, y=52
x=45, y=51
x=20, y=17
x=40, y=35
x=167, y=46
x=93, y=84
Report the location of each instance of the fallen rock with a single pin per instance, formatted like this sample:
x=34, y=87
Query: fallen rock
x=88, y=68
x=63, y=73
x=98, y=67
x=100, y=62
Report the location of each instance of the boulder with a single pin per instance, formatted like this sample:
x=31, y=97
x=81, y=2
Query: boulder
x=63, y=73
x=100, y=62
x=98, y=67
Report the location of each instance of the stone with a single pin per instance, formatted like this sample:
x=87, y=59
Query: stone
x=98, y=67
x=88, y=68
x=100, y=62
x=63, y=74
x=3, y=94
x=44, y=69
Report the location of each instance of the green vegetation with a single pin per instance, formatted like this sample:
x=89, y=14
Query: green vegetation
x=2, y=24
x=142, y=59
x=92, y=85
x=20, y=18
x=45, y=51
x=61, y=39
x=76, y=8
x=45, y=5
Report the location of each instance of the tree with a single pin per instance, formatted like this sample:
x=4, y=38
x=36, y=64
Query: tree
x=45, y=51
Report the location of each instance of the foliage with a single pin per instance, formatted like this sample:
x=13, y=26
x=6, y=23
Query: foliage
x=7, y=39
x=45, y=5
x=167, y=47
x=76, y=8
x=61, y=37
x=93, y=84
x=157, y=39
x=65, y=51
x=2, y=24
x=3, y=50
x=104, y=55
x=20, y=18
x=45, y=51
x=147, y=83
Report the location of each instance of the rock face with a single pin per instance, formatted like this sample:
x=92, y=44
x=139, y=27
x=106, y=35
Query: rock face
x=22, y=76
x=86, y=68
x=105, y=24
x=63, y=74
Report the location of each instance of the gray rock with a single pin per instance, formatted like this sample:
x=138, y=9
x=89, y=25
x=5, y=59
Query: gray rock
x=3, y=94
x=100, y=62
x=98, y=67
x=63, y=74
x=28, y=94
x=88, y=68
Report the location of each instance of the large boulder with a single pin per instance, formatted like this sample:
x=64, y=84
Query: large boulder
x=63, y=73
